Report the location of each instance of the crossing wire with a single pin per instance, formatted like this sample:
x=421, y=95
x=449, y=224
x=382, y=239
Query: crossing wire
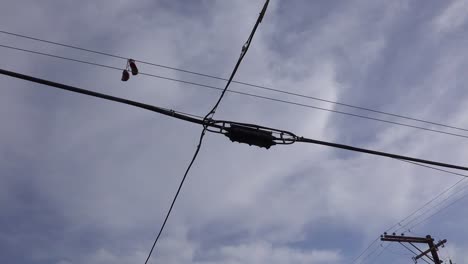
x=210, y=114
x=262, y=87
x=464, y=177
x=241, y=93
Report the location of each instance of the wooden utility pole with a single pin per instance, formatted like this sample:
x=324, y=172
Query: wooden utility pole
x=433, y=248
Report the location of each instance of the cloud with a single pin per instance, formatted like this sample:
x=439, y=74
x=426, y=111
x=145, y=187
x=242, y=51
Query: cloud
x=88, y=181
x=453, y=17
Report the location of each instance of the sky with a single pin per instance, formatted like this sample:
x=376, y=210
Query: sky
x=84, y=180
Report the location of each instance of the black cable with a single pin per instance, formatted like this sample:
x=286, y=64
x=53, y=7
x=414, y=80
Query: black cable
x=245, y=48
x=168, y=112
x=202, y=122
x=379, y=153
x=205, y=120
x=241, y=93
x=177, y=194
x=238, y=82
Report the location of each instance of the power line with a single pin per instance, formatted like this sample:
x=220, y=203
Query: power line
x=240, y=93
x=433, y=199
x=366, y=249
x=440, y=210
x=464, y=177
x=370, y=254
x=378, y=153
x=216, y=124
x=429, y=209
x=234, y=81
x=381, y=252
x=177, y=194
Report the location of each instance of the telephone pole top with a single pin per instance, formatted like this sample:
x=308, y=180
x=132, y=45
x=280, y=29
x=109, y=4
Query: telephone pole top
x=433, y=248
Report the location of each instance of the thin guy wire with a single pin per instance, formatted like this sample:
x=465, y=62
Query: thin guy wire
x=439, y=211
x=412, y=251
x=381, y=252
x=234, y=81
x=399, y=254
x=242, y=93
x=429, y=209
x=414, y=212
x=370, y=254
x=366, y=249
x=433, y=199
x=418, y=249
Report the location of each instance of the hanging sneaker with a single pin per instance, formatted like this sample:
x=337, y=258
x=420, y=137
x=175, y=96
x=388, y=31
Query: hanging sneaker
x=133, y=66
x=125, y=76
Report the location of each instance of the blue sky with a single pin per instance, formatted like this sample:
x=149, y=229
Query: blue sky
x=88, y=181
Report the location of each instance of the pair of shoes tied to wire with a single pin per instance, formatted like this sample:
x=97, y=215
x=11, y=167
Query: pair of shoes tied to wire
x=131, y=67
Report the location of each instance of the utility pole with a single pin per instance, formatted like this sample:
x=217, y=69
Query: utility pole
x=433, y=248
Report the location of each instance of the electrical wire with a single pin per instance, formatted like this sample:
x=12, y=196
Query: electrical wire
x=241, y=93
x=433, y=199
x=429, y=209
x=415, y=254
x=378, y=153
x=206, y=123
x=370, y=254
x=402, y=226
x=381, y=252
x=464, y=177
x=399, y=254
x=439, y=211
x=177, y=194
x=234, y=81
x=366, y=249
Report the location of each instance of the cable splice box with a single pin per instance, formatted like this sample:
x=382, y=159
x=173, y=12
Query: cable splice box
x=251, y=136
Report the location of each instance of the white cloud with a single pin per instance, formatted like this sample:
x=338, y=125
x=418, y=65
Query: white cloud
x=260, y=252
x=453, y=17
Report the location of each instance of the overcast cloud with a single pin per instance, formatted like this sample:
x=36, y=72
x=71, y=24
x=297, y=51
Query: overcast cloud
x=88, y=181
